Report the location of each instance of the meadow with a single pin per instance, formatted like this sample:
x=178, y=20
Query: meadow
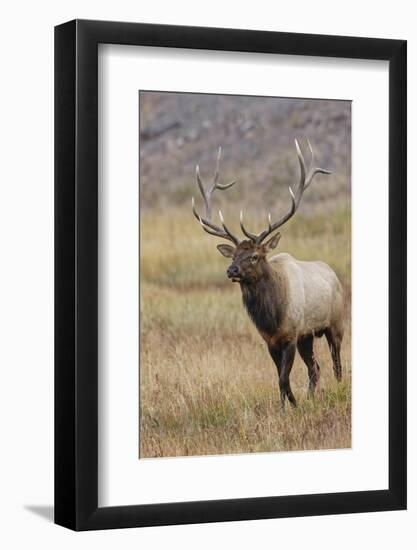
x=207, y=382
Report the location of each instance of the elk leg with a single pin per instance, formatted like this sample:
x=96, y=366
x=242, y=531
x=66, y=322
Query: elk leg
x=335, y=342
x=306, y=350
x=288, y=355
x=284, y=358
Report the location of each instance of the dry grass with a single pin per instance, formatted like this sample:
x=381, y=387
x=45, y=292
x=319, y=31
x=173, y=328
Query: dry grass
x=208, y=385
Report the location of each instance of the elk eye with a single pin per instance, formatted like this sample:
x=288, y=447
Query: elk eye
x=255, y=258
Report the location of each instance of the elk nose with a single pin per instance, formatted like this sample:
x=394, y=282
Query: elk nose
x=232, y=271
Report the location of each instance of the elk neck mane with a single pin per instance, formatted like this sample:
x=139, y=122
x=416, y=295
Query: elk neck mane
x=265, y=300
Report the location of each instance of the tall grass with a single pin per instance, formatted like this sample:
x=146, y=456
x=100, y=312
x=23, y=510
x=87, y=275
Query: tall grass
x=207, y=383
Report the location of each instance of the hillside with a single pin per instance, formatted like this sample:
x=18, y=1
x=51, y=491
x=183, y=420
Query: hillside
x=257, y=135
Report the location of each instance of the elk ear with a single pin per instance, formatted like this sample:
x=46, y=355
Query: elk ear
x=272, y=243
x=226, y=250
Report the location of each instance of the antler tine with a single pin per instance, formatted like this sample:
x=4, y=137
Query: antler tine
x=269, y=222
x=212, y=231
x=225, y=227
x=202, y=191
x=216, y=184
x=206, y=222
x=247, y=233
x=302, y=169
x=311, y=152
x=313, y=172
x=313, y=169
x=224, y=186
x=217, y=172
x=305, y=180
x=271, y=226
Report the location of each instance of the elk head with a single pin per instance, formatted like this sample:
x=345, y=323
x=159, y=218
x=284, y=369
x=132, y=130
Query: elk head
x=249, y=259
x=249, y=256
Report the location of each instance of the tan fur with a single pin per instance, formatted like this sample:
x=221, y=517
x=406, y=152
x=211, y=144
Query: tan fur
x=313, y=296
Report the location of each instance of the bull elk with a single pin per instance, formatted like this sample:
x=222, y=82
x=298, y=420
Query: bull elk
x=290, y=301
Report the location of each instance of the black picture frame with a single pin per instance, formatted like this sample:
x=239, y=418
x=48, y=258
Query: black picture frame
x=76, y=273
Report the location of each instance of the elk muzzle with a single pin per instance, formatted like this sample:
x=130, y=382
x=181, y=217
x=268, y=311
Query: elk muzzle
x=233, y=273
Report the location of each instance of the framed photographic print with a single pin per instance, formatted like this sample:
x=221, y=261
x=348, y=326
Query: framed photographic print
x=230, y=275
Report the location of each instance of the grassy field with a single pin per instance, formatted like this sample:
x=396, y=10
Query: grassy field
x=207, y=382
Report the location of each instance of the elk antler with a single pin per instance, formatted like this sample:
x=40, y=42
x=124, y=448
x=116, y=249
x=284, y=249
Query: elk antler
x=206, y=222
x=305, y=181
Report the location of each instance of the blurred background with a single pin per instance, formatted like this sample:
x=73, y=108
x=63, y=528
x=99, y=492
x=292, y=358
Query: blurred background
x=207, y=383
x=257, y=135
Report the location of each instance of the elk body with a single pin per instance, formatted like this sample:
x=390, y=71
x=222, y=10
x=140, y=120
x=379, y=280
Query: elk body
x=291, y=302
